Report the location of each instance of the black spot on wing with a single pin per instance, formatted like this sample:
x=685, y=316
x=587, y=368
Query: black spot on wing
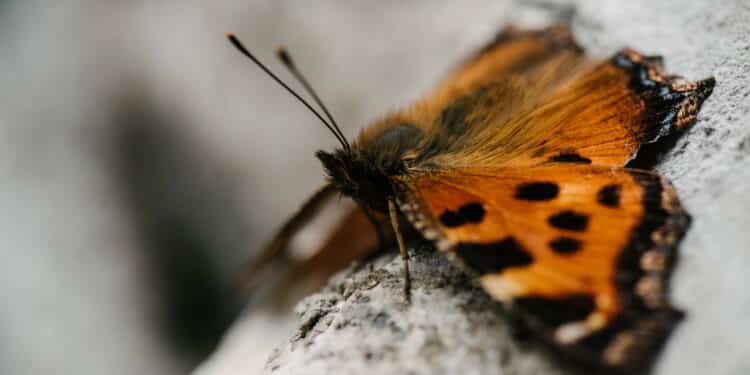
x=555, y=311
x=565, y=245
x=451, y=219
x=569, y=220
x=469, y=213
x=472, y=212
x=609, y=196
x=537, y=191
x=493, y=257
x=571, y=157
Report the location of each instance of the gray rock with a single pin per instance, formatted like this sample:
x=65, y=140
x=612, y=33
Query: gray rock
x=361, y=323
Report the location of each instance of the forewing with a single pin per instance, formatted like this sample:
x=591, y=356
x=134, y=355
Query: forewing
x=516, y=65
x=533, y=97
x=539, y=60
x=599, y=112
x=585, y=251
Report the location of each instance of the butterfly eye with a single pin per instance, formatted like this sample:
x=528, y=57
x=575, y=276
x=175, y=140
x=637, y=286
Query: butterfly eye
x=401, y=137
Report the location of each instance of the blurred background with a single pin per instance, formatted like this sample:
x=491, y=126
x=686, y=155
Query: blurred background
x=144, y=160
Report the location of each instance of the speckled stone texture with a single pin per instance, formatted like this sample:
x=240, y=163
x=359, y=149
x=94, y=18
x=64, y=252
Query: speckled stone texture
x=359, y=324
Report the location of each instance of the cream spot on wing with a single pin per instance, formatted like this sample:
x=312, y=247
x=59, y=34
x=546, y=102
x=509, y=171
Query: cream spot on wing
x=501, y=288
x=569, y=333
x=617, y=351
x=653, y=261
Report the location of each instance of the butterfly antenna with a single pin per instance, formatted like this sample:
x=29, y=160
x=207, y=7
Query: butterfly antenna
x=240, y=47
x=286, y=58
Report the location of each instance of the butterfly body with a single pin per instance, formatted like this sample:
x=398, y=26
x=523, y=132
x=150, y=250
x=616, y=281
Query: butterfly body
x=516, y=166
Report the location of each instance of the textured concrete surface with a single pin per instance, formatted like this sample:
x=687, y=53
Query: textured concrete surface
x=358, y=323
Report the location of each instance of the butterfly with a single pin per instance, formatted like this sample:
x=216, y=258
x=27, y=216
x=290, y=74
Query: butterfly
x=516, y=166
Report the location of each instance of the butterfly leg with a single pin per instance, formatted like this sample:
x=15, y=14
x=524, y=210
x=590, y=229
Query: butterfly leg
x=393, y=212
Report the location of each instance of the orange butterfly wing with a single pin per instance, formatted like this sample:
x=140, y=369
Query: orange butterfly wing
x=525, y=62
x=585, y=250
x=533, y=96
x=539, y=59
x=529, y=116
x=601, y=114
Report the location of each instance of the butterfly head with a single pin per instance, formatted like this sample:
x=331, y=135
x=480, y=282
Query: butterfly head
x=355, y=175
x=365, y=171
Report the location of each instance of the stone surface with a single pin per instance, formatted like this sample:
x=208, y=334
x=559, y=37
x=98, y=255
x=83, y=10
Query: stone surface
x=358, y=323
